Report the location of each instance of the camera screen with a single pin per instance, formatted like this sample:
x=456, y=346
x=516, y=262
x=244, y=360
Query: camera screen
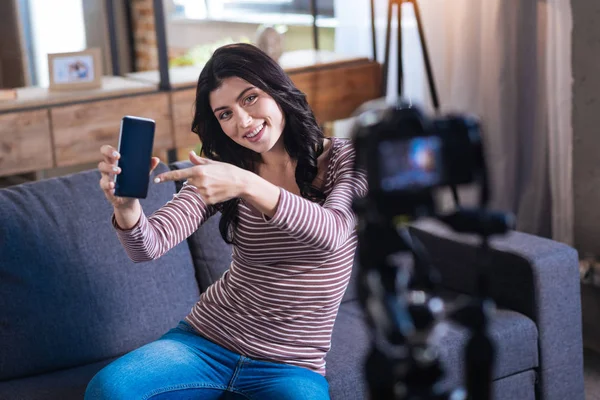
x=410, y=164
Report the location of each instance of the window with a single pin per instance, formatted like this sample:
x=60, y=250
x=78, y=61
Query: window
x=324, y=7
x=45, y=35
x=215, y=9
x=197, y=27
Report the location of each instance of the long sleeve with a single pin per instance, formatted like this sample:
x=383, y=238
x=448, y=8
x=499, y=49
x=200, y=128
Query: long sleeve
x=152, y=237
x=327, y=226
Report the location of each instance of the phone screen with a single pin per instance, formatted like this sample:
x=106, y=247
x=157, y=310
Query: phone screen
x=135, y=147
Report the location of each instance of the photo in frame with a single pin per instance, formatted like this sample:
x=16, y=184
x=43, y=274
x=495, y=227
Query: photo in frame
x=75, y=70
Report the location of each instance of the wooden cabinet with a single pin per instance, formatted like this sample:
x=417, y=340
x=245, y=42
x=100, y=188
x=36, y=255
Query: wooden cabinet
x=336, y=92
x=80, y=129
x=25, y=142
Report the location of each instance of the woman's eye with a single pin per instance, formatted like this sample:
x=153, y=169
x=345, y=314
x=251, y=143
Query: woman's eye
x=224, y=115
x=251, y=98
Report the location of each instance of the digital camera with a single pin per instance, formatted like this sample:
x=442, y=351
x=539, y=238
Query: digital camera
x=406, y=154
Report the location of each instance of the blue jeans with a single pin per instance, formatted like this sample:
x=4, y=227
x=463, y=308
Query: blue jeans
x=184, y=365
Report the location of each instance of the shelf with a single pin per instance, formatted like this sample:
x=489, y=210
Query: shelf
x=112, y=86
x=180, y=77
x=292, y=62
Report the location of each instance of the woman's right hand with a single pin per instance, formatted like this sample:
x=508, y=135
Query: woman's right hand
x=108, y=169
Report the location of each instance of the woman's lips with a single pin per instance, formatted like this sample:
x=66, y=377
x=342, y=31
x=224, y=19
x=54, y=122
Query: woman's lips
x=258, y=135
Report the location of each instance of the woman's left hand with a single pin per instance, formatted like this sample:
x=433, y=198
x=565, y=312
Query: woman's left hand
x=216, y=181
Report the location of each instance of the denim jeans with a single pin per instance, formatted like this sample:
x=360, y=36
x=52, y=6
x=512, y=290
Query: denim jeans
x=184, y=365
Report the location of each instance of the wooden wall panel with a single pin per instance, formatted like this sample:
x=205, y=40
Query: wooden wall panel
x=80, y=130
x=183, y=113
x=335, y=93
x=25, y=142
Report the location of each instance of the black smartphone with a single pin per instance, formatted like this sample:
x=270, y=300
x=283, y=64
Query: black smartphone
x=135, y=147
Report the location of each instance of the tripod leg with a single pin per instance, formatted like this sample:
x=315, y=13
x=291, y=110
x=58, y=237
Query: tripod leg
x=400, y=82
x=315, y=30
x=386, y=62
x=430, y=79
x=373, y=30
x=432, y=88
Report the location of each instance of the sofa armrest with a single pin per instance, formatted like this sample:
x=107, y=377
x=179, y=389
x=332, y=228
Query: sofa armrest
x=535, y=276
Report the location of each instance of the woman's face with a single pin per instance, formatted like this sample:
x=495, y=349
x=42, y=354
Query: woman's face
x=249, y=116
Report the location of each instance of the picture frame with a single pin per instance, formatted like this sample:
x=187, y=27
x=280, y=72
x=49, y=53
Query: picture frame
x=75, y=70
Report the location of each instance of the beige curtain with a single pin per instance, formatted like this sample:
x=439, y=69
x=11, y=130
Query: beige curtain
x=508, y=61
x=559, y=77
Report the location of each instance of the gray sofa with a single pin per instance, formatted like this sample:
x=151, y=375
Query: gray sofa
x=71, y=301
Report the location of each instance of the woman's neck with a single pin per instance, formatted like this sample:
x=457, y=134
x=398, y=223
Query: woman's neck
x=277, y=162
x=277, y=157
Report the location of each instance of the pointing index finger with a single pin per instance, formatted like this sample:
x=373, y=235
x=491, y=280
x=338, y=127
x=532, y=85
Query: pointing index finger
x=177, y=175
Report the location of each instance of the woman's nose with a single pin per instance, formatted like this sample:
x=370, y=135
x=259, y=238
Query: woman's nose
x=244, y=119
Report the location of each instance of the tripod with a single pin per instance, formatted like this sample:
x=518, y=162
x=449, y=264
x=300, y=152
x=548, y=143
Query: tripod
x=384, y=81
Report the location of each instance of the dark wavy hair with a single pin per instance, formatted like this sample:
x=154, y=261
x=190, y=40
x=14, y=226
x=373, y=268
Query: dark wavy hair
x=302, y=136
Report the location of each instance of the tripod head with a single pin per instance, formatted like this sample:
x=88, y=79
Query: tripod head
x=405, y=157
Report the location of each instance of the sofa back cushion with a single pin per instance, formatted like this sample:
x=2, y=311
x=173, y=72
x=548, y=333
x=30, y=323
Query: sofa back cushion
x=69, y=295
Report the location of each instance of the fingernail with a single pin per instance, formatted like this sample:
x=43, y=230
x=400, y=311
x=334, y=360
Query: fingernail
x=114, y=154
x=116, y=169
x=156, y=180
x=194, y=153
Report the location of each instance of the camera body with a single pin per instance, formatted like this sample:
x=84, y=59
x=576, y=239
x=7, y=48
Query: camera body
x=406, y=155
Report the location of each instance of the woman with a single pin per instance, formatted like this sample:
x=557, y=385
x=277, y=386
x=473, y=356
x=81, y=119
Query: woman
x=261, y=331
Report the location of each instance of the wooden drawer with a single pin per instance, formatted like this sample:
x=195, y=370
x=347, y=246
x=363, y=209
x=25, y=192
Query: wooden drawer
x=336, y=92
x=183, y=114
x=25, y=142
x=80, y=130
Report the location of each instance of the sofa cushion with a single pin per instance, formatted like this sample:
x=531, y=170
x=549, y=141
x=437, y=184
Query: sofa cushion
x=521, y=386
x=515, y=337
x=69, y=293
x=66, y=384
x=350, y=344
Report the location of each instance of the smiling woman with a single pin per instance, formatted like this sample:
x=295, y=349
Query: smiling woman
x=285, y=195
x=239, y=89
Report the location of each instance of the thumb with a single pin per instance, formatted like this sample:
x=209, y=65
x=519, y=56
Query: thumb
x=196, y=159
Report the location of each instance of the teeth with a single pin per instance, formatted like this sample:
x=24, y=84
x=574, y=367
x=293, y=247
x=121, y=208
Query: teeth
x=255, y=132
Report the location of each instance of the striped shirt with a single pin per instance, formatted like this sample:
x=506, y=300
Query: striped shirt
x=280, y=297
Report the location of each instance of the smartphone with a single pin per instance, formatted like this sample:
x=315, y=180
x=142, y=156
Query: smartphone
x=136, y=139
